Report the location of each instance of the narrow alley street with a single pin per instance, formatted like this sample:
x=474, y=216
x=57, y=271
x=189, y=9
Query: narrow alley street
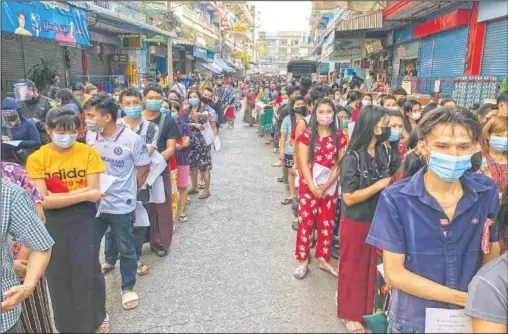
x=230, y=267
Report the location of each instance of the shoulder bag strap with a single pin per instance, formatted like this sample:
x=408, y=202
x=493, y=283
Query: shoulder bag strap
x=161, y=125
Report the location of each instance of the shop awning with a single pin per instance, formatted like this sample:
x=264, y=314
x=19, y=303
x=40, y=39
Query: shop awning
x=361, y=22
x=210, y=66
x=223, y=65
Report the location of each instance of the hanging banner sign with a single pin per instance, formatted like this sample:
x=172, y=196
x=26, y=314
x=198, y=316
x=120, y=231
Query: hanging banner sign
x=348, y=48
x=373, y=45
x=46, y=20
x=239, y=28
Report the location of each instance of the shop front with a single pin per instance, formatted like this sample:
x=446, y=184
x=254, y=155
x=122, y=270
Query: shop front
x=495, y=49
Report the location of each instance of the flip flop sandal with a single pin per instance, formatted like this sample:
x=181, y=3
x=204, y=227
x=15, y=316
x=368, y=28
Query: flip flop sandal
x=160, y=252
x=104, y=327
x=205, y=196
x=294, y=225
x=106, y=268
x=129, y=297
x=142, y=269
x=183, y=219
x=193, y=192
x=330, y=270
x=201, y=186
x=301, y=272
x=352, y=328
x=287, y=201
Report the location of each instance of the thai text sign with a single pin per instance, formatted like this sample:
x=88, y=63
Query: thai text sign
x=46, y=20
x=239, y=28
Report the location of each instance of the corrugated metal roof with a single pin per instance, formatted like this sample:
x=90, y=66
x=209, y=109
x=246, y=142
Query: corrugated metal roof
x=361, y=22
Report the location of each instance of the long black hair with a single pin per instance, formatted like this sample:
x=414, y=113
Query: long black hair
x=408, y=108
x=292, y=114
x=364, y=127
x=313, y=124
x=502, y=216
x=66, y=96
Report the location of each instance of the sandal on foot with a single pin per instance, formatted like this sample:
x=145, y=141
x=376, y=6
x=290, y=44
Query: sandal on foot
x=106, y=268
x=294, y=225
x=205, y=196
x=142, y=269
x=277, y=164
x=193, y=192
x=352, y=326
x=201, y=186
x=287, y=201
x=301, y=272
x=129, y=300
x=329, y=270
x=104, y=327
x=183, y=219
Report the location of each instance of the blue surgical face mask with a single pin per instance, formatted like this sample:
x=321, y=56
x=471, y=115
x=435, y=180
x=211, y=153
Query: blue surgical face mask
x=174, y=115
x=153, y=105
x=79, y=97
x=194, y=101
x=133, y=112
x=64, y=141
x=499, y=144
x=165, y=111
x=395, y=135
x=449, y=168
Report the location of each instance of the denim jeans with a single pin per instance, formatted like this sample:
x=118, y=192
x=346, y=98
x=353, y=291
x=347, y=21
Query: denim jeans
x=397, y=329
x=111, y=251
x=121, y=226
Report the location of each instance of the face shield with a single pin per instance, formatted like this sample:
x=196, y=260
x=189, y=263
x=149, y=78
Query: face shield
x=23, y=91
x=10, y=118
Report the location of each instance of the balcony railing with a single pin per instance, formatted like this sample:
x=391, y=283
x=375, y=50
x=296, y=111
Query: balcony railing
x=195, y=18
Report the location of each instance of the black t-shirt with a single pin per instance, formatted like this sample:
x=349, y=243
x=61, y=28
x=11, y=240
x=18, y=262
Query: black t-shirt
x=170, y=130
x=359, y=171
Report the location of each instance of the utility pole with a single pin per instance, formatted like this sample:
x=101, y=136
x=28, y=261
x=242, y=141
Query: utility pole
x=169, y=58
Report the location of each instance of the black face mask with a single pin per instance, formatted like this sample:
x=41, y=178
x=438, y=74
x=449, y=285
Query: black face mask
x=206, y=100
x=401, y=102
x=385, y=135
x=300, y=110
x=476, y=162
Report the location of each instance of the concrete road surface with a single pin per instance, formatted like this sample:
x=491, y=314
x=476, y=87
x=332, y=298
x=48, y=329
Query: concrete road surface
x=230, y=267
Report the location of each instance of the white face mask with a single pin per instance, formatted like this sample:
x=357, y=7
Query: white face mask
x=366, y=103
x=417, y=115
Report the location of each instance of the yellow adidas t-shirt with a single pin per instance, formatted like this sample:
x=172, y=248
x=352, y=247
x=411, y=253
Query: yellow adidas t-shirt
x=72, y=167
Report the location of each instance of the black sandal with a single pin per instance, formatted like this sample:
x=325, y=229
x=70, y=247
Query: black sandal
x=287, y=201
x=193, y=192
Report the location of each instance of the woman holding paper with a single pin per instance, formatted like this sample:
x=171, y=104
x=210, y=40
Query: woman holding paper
x=200, y=155
x=364, y=174
x=318, y=155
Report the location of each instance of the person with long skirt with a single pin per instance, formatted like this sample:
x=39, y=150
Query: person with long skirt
x=161, y=214
x=66, y=173
x=364, y=174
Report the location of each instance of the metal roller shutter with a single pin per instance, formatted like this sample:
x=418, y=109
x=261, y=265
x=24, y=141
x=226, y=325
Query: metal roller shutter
x=495, y=50
x=425, y=57
x=76, y=64
x=35, y=49
x=449, y=53
x=96, y=66
x=12, y=62
x=412, y=49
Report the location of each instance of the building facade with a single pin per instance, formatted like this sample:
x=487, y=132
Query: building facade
x=277, y=49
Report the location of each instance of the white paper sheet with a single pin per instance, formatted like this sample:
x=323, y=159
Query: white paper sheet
x=321, y=175
x=13, y=142
x=207, y=133
x=105, y=181
x=350, y=128
x=156, y=168
x=217, y=144
x=157, y=194
x=438, y=320
x=141, y=218
x=381, y=269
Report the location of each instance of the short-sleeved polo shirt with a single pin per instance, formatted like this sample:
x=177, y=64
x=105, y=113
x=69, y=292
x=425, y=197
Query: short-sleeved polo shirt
x=286, y=129
x=121, y=153
x=409, y=221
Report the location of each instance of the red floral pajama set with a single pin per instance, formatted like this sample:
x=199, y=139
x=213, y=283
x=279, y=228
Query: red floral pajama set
x=312, y=210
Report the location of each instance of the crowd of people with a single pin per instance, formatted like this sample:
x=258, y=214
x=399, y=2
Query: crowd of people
x=411, y=199
x=91, y=166
x=406, y=196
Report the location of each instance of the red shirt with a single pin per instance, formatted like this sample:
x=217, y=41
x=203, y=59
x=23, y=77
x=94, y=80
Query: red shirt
x=325, y=151
x=354, y=115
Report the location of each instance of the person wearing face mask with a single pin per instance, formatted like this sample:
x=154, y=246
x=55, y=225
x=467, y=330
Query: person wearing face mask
x=66, y=173
x=200, y=157
x=66, y=99
x=364, y=174
x=354, y=98
x=485, y=112
x=228, y=104
x=126, y=158
x=78, y=90
x=412, y=111
x=207, y=101
x=400, y=94
x=249, y=107
x=370, y=83
x=33, y=105
x=15, y=127
x=392, y=146
x=320, y=148
x=266, y=120
x=494, y=144
x=161, y=214
x=442, y=209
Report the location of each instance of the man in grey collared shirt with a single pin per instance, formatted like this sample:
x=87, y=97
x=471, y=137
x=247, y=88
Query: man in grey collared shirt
x=20, y=221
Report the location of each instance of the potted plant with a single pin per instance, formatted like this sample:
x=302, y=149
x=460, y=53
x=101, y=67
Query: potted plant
x=42, y=74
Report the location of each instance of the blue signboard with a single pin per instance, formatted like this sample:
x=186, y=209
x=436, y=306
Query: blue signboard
x=403, y=35
x=52, y=20
x=199, y=52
